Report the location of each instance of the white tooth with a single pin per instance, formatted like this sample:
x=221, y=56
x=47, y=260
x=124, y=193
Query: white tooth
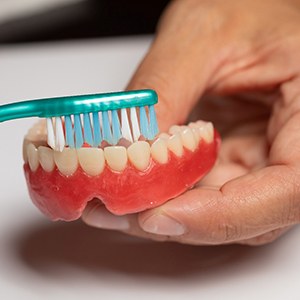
x=174, y=144
x=207, y=132
x=188, y=139
x=116, y=157
x=32, y=157
x=66, y=161
x=46, y=159
x=174, y=129
x=193, y=125
x=197, y=135
x=201, y=123
x=139, y=155
x=25, y=144
x=159, y=151
x=164, y=136
x=91, y=160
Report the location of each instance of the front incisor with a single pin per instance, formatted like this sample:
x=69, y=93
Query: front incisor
x=66, y=161
x=159, y=151
x=91, y=160
x=32, y=155
x=139, y=155
x=116, y=157
x=46, y=158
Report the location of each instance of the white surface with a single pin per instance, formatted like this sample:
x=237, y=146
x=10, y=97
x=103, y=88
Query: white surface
x=44, y=260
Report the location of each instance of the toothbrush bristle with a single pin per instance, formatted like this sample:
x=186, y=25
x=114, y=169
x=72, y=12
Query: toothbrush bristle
x=110, y=126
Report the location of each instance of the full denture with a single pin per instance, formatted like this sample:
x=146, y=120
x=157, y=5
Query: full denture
x=117, y=175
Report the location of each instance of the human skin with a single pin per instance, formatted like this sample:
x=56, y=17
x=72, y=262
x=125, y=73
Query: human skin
x=237, y=64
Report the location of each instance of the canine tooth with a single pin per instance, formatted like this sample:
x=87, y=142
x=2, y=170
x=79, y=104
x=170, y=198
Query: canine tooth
x=32, y=157
x=174, y=129
x=207, y=132
x=139, y=155
x=188, y=139
x=66, y=161
x=46, y=159
x=174, y=144
x=91, y=160
x=116, y=157
x=159, y=151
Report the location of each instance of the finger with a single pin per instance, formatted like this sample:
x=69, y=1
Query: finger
x=178, y=66
x=266, y=238
x=242, y=209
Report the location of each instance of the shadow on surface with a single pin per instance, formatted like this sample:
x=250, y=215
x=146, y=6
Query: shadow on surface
x=48, y=248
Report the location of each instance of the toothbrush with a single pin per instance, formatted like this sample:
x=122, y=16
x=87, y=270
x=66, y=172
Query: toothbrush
x=75, y=120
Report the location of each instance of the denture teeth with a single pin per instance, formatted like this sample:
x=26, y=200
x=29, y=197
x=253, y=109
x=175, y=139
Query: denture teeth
x=46, y=158
x=91, y=160
x=174, y=129
x=159, y=151
x=24, y=150
x=139, y=155
x=32, y=157
x=207, y=132
x=197, y=135
x=66, y=161
x=164, y=135
x=116, y=157
x=174, y=144
x=188, y=139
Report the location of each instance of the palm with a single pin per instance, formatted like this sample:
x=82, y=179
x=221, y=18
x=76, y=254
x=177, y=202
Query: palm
x=242, y=122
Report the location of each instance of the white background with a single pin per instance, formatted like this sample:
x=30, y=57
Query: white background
x=44, y=260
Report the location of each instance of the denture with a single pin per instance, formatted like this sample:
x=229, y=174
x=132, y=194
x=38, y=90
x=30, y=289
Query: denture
x=127, y=178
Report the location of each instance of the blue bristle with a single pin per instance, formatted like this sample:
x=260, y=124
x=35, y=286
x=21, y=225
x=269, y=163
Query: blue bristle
x=116, y=127
x=78, y=131
x=88, y=134
x=153, y=122
x=97, y=130
x=69, y=132
x=106, y=128
x=144, y=122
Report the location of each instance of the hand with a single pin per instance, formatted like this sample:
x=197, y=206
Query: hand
x=236, y=63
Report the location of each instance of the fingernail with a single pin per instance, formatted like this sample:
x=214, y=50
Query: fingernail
x=163, y=225
x=99, y=217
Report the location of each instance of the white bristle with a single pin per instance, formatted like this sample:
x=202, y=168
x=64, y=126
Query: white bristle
x=59, y=135
x=50, y=133
x=135, y=124
x=126, y=132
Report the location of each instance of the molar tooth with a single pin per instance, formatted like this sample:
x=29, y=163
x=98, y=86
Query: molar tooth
x=91, y=160
x=207, y=132
x=159, y=151
x=188, y=139
x=139, y=155
x=116, y=157
x=46, y=159
x=193, y=125
x=32, y=157
x=174, y=144
x=66, y=161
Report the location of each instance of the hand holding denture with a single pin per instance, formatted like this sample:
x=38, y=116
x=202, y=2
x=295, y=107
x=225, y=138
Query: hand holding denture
x=237, y=64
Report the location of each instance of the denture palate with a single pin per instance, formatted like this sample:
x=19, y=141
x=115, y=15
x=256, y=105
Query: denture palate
x=117, y=158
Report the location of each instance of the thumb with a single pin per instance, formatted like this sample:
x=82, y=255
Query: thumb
x=178, y=68
x=243, y=208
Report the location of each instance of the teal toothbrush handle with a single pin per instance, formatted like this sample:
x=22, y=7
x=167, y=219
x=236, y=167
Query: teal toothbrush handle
x=63, y=106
